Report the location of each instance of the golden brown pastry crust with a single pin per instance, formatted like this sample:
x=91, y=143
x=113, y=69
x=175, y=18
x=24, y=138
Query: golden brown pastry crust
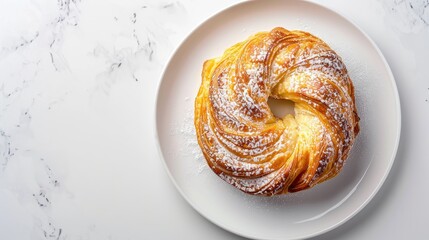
x=241, y=139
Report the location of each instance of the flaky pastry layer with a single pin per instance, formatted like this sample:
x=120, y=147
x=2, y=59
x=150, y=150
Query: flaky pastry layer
x=245, y=144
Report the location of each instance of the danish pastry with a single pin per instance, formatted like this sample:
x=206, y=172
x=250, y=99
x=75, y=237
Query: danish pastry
x=257, y=152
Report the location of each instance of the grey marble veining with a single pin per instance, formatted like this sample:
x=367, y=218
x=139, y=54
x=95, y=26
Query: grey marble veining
x=32, y=35
x=59, y=62
x=78, y=82
x=409, y=16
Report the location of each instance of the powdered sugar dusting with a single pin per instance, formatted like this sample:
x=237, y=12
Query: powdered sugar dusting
x=251, y=149
x=191, y=148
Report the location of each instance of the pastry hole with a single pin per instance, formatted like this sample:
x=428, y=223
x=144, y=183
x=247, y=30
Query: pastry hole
x=281, y=107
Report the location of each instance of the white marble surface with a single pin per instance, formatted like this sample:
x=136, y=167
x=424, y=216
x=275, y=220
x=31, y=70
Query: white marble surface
x=78, y=156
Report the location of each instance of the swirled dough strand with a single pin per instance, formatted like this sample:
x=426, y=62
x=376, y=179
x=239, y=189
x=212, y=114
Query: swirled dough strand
x=241, y=139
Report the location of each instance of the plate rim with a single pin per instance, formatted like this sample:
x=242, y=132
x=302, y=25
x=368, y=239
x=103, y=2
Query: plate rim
x=397, y=108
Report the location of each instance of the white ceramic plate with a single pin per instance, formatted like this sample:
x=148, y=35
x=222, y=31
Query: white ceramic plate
x=291, y=216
